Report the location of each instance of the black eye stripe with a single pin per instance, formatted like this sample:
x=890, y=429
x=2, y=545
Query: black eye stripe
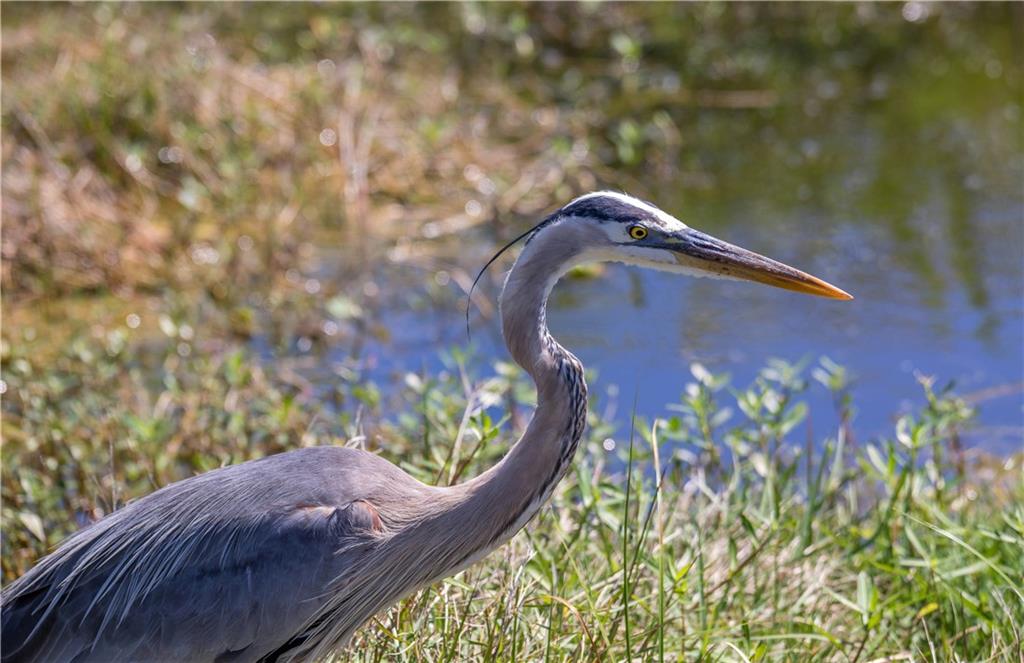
x=607, y=208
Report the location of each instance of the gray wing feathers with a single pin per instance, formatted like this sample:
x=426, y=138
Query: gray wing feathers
x=237, y=558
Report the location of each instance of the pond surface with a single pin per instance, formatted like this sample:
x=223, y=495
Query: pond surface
x=880, y=147
x=901, y=183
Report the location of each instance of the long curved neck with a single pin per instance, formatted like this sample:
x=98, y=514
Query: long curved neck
x=451, y=528
x=511, y=492
x=558, y=421
x=470, y=519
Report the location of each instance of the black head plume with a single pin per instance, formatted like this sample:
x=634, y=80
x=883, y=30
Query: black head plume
x=528, y=235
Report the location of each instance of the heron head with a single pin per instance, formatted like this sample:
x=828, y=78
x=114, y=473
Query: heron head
x=608, y=226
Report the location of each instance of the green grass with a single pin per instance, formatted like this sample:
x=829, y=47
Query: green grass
x=738, y=540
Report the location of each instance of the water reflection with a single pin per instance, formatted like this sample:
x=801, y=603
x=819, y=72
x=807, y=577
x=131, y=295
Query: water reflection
x=890, y=166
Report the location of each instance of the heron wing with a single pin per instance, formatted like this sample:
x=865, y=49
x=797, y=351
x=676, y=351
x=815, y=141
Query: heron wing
x=223, y=566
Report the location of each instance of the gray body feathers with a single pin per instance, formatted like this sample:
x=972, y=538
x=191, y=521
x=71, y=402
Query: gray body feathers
x=191, y=557
x=282, y=559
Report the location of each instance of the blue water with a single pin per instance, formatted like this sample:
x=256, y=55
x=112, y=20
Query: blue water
x=641, y=330
x=899, y=178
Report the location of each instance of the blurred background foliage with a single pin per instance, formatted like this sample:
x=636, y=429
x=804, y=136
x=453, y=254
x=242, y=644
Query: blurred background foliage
x=139, y=152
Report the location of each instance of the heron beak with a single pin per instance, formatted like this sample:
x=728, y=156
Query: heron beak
x=699, y=251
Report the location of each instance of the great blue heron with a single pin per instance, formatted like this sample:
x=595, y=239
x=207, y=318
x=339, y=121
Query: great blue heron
x=283, y=558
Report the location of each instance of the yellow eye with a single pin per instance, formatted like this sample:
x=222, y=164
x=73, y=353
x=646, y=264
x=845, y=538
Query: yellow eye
x=637, y=232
